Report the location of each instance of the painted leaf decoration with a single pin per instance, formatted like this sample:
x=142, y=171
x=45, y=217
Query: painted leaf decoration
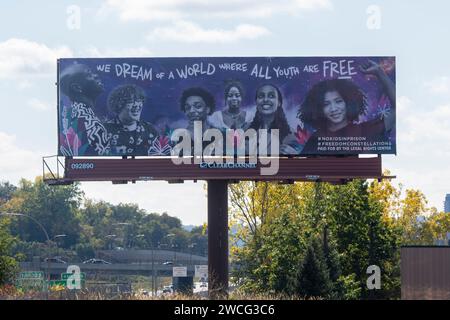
x=160, y=146
x=302, y=135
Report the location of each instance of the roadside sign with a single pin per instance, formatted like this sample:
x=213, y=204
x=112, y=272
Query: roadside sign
x=31, y=275
x=63, y=283
x=180, y=271
x=52, y=283
x=65, y=276
x=201, y=271
x=29, y=282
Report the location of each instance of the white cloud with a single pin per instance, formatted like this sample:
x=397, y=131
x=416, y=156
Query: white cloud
x=25, y=84
x=403, y=104
x=438, y=85
x=20, y=57
x=156, y=10
x=142, y=10
x=184, y=31
x=17, y=163
x=39, y=105
x=423, y=149
x=313, y=4
x=427, y=131
x=95, y=52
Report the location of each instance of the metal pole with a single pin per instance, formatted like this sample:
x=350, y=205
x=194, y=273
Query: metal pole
x=217, y=238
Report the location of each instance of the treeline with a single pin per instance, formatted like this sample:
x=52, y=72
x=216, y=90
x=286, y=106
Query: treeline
x=78, y=227
x=305, y=239
x=317, y=240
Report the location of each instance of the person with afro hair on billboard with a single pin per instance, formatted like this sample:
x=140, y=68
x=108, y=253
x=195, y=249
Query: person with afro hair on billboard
x=128, y=134
x=333, y=107
x=82, y=132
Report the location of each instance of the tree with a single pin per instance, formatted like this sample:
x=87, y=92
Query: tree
x=436, y=226
x=55, y=207
x=266, y=238
x=6, y=191
x=314, y=278
x=281, y=249
x=275, y=222
x=8, y=264
x=413, y=206
x=365, y=238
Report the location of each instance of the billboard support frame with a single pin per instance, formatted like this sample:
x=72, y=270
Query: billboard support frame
x=218, y=276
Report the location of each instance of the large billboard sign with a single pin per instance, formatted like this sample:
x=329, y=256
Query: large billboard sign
x=296, y=106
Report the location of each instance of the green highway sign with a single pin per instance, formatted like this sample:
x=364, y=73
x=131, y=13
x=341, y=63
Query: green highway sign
x=65, y=276
x=61, y=283
x=31, y=275
x=52, y=283
x=30, y=283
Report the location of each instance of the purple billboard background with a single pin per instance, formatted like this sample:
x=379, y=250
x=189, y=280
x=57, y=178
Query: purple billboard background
x=164, y=79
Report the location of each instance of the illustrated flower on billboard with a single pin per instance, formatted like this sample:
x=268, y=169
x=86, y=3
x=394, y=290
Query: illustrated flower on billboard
x=160, y=147
x=71, y=142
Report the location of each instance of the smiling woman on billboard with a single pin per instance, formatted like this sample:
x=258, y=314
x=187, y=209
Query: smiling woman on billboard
x=333, y=108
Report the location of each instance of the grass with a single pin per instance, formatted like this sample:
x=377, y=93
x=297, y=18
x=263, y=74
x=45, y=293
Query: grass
x=10, y=292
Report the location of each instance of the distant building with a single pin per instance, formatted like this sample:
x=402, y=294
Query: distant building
x=447, y=203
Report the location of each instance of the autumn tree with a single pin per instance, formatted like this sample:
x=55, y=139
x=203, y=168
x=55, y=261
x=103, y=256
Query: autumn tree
x=277, y=221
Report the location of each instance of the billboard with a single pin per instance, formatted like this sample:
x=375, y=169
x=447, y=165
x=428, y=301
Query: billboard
x=295, y=106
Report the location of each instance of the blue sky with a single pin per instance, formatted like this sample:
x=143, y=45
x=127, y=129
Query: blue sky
x=34, y=34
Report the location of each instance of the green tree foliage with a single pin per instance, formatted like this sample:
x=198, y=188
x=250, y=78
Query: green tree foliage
x=364, y=238
x=88, y=225
x=55, y=208
x=314, y=276
x=6, y=191
x=8, y=263
x=277, y=222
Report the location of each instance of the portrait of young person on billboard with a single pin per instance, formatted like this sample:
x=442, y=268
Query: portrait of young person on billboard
x=270, y=115
x=82, y=131
x=197, y=104
x=333, y=108
x=232, y=116
x=127, y=133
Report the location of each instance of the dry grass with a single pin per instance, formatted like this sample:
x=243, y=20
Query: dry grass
x=11, y=293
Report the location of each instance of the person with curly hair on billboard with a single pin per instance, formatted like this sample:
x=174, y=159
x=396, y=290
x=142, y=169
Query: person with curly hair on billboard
x=270, y=115
x=333, y=108
x=127, y=133
x=197, y=104
x=82, y=131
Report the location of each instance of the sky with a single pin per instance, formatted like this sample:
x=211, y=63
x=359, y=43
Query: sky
x=34, y=34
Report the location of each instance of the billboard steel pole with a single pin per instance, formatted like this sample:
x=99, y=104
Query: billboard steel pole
x=217, y=238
